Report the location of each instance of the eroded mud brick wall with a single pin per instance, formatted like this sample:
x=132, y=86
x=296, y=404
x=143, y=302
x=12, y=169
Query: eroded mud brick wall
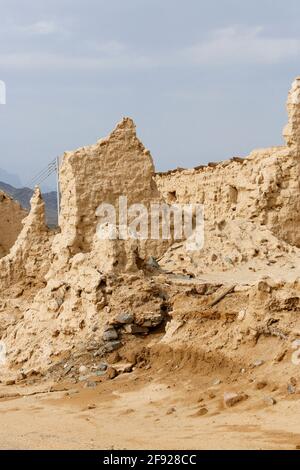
x=118, y=165
x=264, y=187
x=11, y=216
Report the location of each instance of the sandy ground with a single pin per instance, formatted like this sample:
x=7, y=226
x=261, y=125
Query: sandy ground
x=134, y=411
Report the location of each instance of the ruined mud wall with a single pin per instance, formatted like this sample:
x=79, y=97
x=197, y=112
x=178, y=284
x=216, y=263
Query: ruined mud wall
x=11, y=216
x=264, y=187
x=118, y=165
x=29, y=258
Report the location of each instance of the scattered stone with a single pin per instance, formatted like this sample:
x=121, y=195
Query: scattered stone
x=9, y=382
x=231, y=398
x=112, y=346
x=280, y=356
x=296, y=344
x=114, y=357
x=82, y=370
x=152, y=321
x=110, y=335
x=91, y=406
x=123, y=368
x=67, y=369
x=211, y=395
x=102, y=366
x=258, y=363
x=111, y=373
x=82, y=378
x=291, y=389
x=216, y=382
x=241, y=314
x=124, y=318
x=152, y=263
x=203, y=411
x=293, y=381
x=100, y=373
x=260, y=385
x=136, y=330
x=270, y=401
x=296, y=357
x=171, y=410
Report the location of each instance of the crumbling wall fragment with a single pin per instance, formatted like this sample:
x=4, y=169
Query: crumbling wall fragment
x=11, y=216
x=263, y=188
x=30, y=255
x=118, y=165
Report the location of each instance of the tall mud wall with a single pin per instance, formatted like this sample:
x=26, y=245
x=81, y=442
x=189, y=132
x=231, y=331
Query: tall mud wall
x=11, y=216
x=264, y=187
x=118, y=165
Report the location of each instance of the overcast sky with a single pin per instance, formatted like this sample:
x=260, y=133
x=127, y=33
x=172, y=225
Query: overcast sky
x=202, y=80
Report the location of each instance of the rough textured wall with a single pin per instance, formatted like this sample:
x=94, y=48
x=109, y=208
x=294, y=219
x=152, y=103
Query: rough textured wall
x=11, y=216
x=291, y=131
x=264, y=187
x=29, y=258
x=118, y=165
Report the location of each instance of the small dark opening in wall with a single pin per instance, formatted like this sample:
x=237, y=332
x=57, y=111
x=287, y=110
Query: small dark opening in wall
x=172, y=196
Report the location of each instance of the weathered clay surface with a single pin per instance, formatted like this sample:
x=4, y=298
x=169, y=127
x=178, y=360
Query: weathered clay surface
x=11, y=216
x=29, y=257
x=263, y=188
x=118, y=165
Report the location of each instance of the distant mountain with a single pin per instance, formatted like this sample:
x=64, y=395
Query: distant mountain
x=10, y=178
x=23, y=196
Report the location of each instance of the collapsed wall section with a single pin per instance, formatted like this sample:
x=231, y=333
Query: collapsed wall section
x=11, y=216
x=29, y=258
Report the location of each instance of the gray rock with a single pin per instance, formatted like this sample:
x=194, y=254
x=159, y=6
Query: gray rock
x=100, y=373
x=291, y=389
x=136, y=330
x=152, y=263
x=112, y=346
x=108, y=327
x=124, y=318
x=110, y=335
x=153, y=320
x=102, y=366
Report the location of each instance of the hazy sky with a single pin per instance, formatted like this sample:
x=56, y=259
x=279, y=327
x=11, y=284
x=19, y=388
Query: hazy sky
x=202, y=80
